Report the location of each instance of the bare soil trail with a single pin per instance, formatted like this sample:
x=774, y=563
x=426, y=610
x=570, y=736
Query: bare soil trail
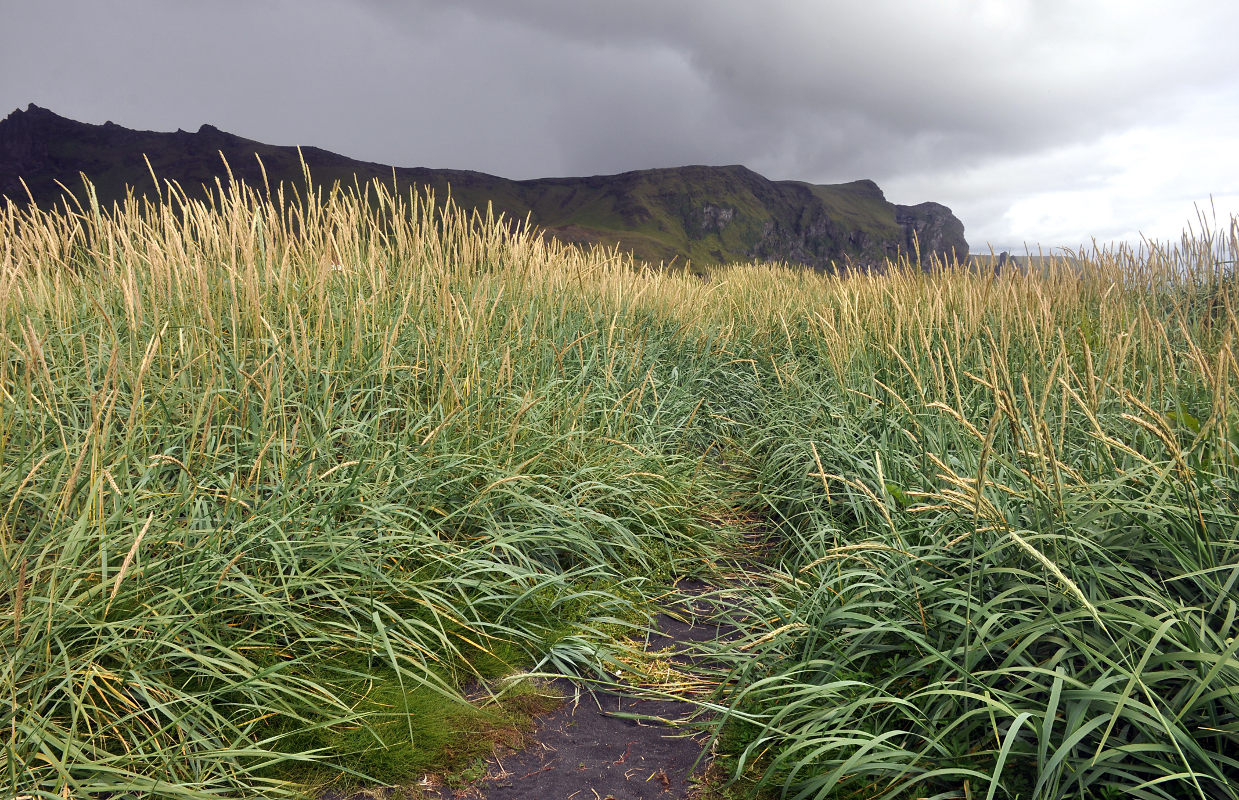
x=625, y=744
x=640, y=738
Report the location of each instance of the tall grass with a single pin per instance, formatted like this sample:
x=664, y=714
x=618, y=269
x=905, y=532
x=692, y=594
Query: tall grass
x=1011, y=552
x=282, y=477
x=266, y=460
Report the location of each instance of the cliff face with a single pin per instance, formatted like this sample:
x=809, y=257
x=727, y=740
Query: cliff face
x=697, y=214
x=931, y=228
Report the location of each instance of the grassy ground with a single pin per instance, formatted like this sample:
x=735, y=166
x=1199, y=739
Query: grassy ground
x=283, y=479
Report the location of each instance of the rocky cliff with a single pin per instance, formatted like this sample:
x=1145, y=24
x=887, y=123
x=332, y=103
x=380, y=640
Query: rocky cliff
x=931, y=228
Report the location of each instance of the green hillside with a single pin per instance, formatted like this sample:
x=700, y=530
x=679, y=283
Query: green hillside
x=695, y=214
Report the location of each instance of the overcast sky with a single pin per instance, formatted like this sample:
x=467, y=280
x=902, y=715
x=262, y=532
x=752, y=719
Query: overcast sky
x=1045, y=122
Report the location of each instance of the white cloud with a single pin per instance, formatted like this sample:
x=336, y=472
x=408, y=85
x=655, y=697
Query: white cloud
x=1145, y=181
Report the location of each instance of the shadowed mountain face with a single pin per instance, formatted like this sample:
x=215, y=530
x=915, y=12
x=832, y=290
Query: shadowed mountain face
x=702, y=215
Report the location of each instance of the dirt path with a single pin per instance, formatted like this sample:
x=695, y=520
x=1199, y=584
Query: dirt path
x=635, y=742
x=592, y=748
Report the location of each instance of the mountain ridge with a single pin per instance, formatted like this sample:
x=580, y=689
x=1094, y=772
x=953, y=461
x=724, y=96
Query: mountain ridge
x=696, y=213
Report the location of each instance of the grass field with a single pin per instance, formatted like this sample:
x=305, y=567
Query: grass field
x=300, y=487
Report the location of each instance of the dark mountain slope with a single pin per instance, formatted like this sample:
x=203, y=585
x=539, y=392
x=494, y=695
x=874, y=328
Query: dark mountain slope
x=706, y=215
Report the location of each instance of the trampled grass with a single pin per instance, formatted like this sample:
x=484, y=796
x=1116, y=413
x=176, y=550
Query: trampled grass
x=277, y=472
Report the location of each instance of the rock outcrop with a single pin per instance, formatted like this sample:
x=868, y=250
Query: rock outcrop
x=931, y=229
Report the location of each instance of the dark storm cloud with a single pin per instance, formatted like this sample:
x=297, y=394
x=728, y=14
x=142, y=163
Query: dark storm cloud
x=995, y=107
x=890, y=83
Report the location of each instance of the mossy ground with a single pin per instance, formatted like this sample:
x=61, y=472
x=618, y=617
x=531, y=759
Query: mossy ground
x=414, y=731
